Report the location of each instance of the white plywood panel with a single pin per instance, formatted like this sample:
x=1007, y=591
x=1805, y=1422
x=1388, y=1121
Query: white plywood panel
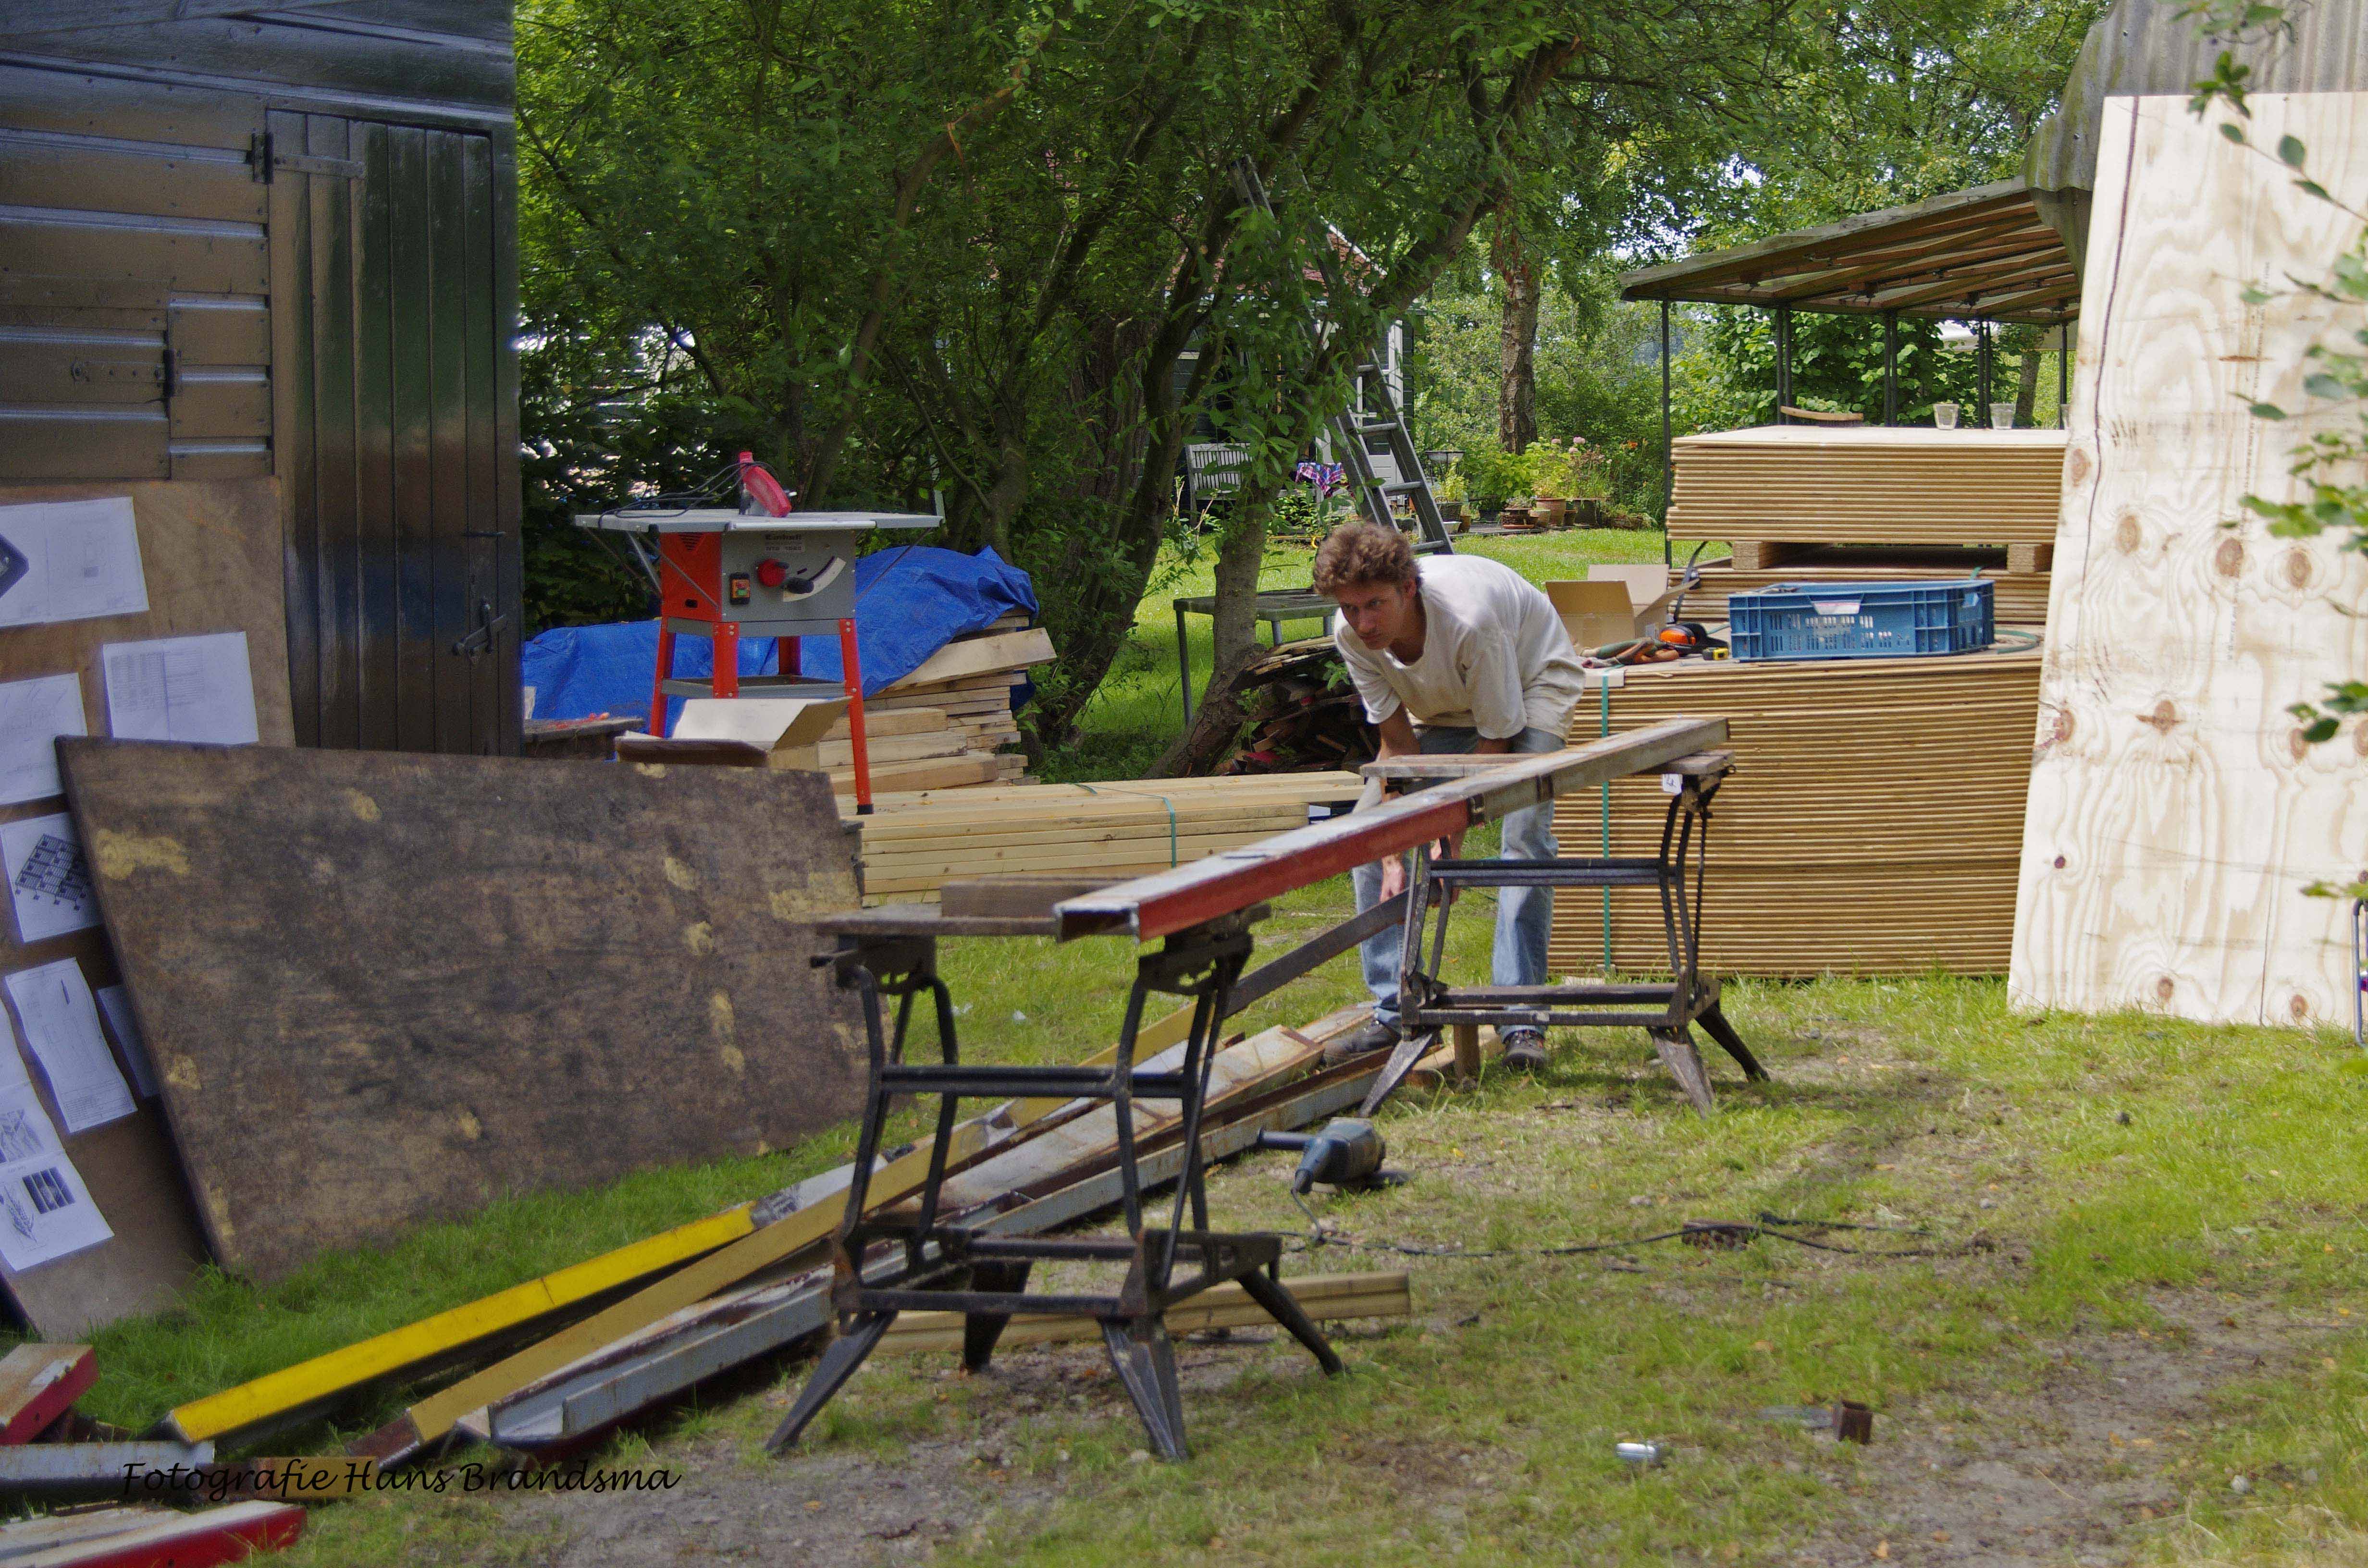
x=2175, y=815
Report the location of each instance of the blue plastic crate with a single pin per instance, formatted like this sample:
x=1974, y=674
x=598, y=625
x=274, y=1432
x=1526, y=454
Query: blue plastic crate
x=1862, y=620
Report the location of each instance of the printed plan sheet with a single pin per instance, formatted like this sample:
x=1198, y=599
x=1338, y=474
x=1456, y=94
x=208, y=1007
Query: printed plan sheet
x=45, y=1210
x=60, y=1020
x=33, y=714
x=70, y=561
x=181, y=688
x=49, y=880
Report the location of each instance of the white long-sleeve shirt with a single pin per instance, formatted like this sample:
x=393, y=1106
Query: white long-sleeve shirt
x=1495, y=656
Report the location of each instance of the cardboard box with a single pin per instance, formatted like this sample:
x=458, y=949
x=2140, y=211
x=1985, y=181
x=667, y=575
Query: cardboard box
x=1615, y=604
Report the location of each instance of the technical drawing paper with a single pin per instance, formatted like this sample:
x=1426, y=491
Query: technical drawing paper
x=49, y=880
x=82, y=560
x=115, y=1006
x=60, y=1023
x=181, y=688
x=33, y=714
x=45, y=1210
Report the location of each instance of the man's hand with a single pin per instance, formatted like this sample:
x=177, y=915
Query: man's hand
x=1394, y=877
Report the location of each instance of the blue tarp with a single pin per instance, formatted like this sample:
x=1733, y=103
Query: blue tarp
x=910, y=601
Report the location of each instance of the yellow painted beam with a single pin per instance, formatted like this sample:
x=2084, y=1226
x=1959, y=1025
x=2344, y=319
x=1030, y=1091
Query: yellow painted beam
x=292, y=1388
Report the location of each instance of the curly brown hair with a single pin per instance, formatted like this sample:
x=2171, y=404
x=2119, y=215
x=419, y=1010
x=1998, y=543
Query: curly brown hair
x=1363, y=552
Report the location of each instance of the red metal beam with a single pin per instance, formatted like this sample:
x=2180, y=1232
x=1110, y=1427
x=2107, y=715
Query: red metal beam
x=1236, y=878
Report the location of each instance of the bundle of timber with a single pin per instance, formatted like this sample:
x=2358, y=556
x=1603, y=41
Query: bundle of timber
x=1808, y=504
x=2021, y=595
x=946, y=725
x=1303, y=713
x=1872, y=824
x=912, y=844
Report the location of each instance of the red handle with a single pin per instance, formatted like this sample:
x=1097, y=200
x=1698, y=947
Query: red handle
x=762, y=487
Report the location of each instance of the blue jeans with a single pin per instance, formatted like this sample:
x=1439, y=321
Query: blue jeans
x=1524, y=915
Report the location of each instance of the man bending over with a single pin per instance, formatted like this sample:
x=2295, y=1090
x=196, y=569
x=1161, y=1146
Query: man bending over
x=1455, y=653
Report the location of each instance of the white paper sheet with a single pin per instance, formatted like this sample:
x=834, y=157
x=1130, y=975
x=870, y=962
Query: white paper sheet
x=80, y=558
x=45, y=1210
x=60, y=1023
x=33, y=714
x=181, y=688
x=49, y=880
x=115, y=1006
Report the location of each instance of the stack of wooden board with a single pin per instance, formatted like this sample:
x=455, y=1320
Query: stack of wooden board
x=1908, y=501
x=946, y=725
x=2021, y=596
x=914, y=843
x=1872, y=824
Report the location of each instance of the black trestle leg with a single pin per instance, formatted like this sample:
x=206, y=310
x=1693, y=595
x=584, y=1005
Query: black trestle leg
x=839, y=1362
x=1714, y=1023
x=1284, y=1308
x=981, y=1330
x=1145, y=1360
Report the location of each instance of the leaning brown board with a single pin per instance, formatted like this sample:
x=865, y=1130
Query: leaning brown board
x=384, y=988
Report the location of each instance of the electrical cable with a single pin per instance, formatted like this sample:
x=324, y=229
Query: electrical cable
x=1725, y=1234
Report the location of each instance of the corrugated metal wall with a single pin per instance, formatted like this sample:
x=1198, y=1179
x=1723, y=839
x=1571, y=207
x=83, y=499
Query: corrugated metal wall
x=284, y=241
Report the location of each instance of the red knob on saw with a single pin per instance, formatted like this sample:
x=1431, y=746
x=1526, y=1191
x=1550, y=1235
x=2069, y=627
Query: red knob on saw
x=773, y=573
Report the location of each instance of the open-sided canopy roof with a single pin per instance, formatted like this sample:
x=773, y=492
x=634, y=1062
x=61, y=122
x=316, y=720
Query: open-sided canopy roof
x=1983, y=254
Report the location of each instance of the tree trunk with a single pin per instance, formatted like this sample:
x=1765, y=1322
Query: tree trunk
x=2026, y=387
x=1241, y=551
x=1517, y=370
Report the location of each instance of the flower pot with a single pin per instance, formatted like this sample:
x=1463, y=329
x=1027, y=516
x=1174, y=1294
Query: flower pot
x=1448, y=511
x=1548, y=511
x=1587, y=512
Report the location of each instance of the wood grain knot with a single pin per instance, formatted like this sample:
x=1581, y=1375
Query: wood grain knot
x=2059, y=862
x=2229, y=559
x=2360, y=745
x=2127, y=535
x=2297, y=568
x=2163, y=988
x=2163, y=717
x=2297, y=743
x=2298, y=1007
x=2077, y=464
x=2060, y=727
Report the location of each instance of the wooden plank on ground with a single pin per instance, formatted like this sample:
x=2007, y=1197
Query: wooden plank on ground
x=38, y=1383
x=381, y=988
x=2177, y=815
x=972, y=656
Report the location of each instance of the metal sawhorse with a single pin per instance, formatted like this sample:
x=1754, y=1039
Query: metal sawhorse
x=1664, y=1009
x=909, y=1259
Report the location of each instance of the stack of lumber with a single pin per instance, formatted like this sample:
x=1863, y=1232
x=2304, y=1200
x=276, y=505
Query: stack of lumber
x=946, y=725
x=914, y=843
x=1303, y=713
x=1784, y=495
x=1872, y=824
x=2020, y=597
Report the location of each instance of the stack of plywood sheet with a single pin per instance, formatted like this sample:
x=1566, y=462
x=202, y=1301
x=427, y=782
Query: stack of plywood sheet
x=1871, y=826
x=946, y=725
x=1899, y=501
x=913, y=843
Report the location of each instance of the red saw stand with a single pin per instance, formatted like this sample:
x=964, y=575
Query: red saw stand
x=763, y=571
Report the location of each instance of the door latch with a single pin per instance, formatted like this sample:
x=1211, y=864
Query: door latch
x=480, y=641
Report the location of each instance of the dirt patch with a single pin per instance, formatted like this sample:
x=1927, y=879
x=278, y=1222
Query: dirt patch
x=878, y=1510
x=2070, y=1472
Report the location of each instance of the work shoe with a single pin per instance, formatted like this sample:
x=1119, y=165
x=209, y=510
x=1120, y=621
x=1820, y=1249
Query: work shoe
x=1373, y=1037
x=1525, y=1050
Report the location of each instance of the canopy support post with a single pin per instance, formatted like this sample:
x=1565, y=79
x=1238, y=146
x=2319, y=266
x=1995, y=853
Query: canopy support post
x=1891, y=367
